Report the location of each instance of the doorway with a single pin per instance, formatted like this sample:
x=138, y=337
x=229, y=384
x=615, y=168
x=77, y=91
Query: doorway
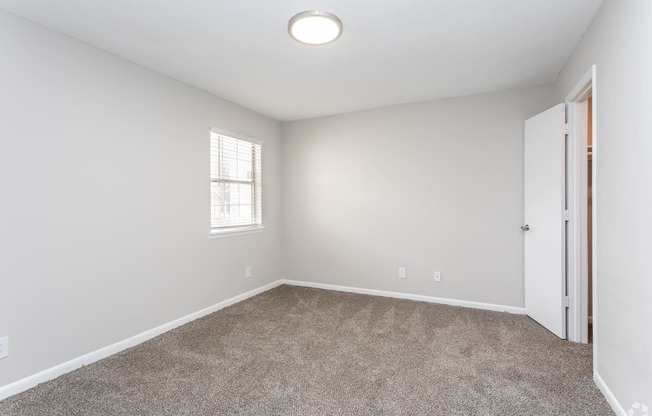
x=589, y=212
x=581, y=194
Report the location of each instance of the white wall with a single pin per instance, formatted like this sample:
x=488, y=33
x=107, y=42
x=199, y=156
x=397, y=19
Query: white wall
x=619, y=42
x=104, y=199
x=430, y=186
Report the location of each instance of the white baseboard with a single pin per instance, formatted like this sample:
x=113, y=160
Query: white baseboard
x=61, y=369
x=606, y=392
x=400, y=295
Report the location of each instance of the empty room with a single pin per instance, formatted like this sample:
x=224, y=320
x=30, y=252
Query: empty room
x=429, y=207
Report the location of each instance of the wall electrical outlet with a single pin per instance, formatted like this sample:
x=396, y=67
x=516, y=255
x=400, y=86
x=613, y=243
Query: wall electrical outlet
x=437, y=276
x=248, y=272
x=4, y=347
x=402, y=274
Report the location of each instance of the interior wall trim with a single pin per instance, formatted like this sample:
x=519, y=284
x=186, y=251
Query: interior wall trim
x=608, y=394
x=61, y=369
x=86, y=359
x=410, y=296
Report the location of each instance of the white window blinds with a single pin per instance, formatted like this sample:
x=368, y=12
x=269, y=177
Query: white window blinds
x=235, y=183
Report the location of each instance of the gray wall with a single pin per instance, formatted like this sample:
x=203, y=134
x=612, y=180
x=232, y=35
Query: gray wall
x=618, y=42
x=104, y=218
x=430, y=186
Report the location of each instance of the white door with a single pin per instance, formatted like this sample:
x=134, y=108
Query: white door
x=545, y=223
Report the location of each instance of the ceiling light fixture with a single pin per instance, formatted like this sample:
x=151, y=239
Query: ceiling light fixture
x=315, y=27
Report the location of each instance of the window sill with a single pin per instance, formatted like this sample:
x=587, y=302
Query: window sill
x=234, y=232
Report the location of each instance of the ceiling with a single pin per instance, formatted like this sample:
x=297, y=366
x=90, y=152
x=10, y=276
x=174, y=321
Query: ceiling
x=391, y=51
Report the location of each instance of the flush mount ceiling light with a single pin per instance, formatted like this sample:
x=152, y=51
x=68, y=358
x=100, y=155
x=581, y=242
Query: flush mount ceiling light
x=315, y=27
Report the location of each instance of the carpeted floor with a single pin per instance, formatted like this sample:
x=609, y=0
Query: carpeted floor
x=300, y=351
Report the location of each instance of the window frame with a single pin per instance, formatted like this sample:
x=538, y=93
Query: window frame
x=235, y=230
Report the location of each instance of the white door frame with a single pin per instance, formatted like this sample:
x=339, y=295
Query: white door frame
x=577, y=205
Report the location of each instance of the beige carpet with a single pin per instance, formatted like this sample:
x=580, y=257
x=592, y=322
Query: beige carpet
x=299, y=351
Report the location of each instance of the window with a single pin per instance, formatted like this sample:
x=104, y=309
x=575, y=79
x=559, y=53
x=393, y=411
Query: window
x=235, y=184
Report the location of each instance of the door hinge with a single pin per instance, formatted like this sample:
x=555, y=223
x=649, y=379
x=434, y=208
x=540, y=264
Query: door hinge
x=566, y=215
x=567, y=301
x=566, y=128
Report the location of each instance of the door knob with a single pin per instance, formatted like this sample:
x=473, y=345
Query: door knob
x=525, y=227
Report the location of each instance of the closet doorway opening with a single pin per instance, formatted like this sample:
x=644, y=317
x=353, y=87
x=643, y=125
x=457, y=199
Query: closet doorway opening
x=587, y=106
x=581, y=188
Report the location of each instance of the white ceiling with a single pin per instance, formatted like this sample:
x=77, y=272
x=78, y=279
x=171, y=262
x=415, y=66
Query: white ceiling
x=391, y=51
